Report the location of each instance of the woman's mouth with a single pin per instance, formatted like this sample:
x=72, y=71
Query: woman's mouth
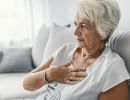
x=80, y=39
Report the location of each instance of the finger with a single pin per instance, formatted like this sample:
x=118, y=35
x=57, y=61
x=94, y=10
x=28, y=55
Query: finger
x=79, y=74
x=76, y=69
x=70, y=82
x=66, y=64
x=76, y=78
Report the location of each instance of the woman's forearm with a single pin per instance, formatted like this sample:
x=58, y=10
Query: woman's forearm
x=34, y=81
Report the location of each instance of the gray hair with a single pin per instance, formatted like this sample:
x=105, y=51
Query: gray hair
x=104, y=13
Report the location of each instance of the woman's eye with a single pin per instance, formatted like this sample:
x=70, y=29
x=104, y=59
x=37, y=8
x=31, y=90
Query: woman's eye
x=84, y=26
x=75, y=23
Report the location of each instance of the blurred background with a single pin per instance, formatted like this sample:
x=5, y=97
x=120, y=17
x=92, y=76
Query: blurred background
x=20, y=20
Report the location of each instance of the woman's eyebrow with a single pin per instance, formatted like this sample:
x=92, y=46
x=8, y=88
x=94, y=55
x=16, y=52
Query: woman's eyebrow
x=85, y=23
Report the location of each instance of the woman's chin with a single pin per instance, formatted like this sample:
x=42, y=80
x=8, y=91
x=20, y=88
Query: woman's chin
x=81, y=45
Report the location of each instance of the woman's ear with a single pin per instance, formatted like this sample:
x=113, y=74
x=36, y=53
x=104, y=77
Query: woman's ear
x=102, y=44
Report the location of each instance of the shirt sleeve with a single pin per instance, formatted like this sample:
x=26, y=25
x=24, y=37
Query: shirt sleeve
x=116, y=74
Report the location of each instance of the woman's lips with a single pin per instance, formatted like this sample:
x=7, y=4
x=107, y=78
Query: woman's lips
x=80, y=39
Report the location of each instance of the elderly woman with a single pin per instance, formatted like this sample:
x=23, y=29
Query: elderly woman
x=88, y=70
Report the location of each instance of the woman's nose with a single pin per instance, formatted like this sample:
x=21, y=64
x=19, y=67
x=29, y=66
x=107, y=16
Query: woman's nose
x=77, y=31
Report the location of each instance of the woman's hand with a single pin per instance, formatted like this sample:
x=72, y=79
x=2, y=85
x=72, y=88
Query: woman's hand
x=66, y=75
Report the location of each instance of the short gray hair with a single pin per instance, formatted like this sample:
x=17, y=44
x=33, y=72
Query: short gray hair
x=104, y=13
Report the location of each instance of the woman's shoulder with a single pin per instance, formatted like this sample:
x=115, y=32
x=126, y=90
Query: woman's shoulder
x=112, y=55
x=114, y=62
x=115, y=71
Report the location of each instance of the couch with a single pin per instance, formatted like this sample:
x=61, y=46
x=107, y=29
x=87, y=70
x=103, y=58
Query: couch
x=23, y=60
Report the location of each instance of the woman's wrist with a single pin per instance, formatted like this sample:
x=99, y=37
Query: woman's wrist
x=46, y=76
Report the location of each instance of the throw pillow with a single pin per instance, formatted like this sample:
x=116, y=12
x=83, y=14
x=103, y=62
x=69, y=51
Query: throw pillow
x=16, y=60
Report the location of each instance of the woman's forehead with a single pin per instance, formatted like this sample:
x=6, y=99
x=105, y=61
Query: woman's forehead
x=82, y=20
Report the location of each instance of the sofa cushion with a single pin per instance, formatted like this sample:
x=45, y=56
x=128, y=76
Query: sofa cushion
x=11, y=87
x=120, y=43
x=59, y=35
x=39, y=45
x=16, y=60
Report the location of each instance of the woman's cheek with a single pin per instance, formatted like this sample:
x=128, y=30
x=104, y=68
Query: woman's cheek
x=84, y=35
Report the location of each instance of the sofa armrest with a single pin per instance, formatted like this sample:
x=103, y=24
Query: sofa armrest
x=11, y=87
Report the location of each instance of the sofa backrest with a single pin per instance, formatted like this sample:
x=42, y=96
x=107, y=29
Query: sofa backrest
x=40, y=45
x=120, y=43
x=59, y=35
x=49, y=39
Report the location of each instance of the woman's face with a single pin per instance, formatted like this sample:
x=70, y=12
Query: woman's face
x=86, y=34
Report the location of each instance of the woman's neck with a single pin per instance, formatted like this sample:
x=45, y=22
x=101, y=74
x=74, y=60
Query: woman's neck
x=92, y=53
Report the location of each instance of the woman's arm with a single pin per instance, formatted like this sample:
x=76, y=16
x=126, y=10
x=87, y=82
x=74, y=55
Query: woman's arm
x=119, y=92
x=34, y=80
x=61, y=73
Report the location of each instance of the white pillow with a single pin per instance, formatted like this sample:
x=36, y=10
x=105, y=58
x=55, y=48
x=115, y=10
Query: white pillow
x=11, y=87
x=59, y=35
x=39, y=45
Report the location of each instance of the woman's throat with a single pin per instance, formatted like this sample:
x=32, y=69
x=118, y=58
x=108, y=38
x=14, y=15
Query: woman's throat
x=92, y=54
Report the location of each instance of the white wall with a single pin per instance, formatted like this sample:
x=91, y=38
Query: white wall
x=125, y=17
x=37, y=15
x=59, y=12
